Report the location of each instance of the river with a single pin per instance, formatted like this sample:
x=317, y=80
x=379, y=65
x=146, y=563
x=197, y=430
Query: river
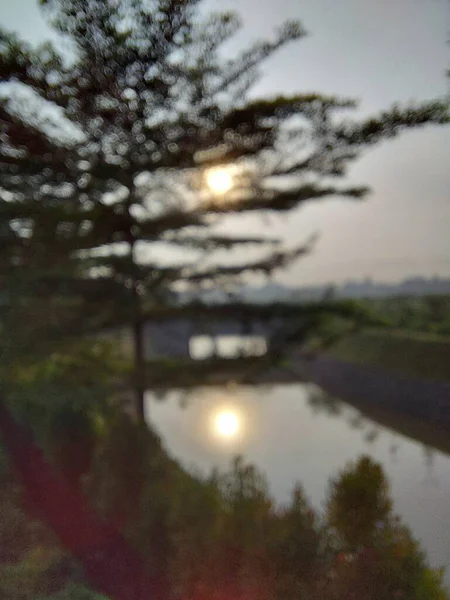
x=295, y=433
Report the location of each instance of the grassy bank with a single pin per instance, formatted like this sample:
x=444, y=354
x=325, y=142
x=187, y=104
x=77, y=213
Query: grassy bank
x=415, y=354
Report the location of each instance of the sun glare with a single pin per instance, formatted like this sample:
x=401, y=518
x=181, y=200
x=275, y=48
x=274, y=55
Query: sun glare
x=227, y=424
x=219, y=180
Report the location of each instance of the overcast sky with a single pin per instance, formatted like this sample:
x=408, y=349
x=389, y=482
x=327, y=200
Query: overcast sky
x=379, y=52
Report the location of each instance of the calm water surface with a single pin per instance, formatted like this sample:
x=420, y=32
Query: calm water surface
x=292, y=435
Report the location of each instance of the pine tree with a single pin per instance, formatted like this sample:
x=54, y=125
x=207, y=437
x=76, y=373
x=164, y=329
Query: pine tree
x=107, y=148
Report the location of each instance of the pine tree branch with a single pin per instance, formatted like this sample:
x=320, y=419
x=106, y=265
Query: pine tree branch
x=282, y=200
x=276, y=260
x=214, y=242
x=392, y=122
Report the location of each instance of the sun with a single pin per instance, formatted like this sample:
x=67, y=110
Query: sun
x=219, y=180
x=227, y=424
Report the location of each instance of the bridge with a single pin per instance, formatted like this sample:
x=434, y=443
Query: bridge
x=171, y=335
x=176, y=337
x=169, y=331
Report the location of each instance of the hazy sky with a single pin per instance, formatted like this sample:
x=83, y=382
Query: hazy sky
x=380, y=52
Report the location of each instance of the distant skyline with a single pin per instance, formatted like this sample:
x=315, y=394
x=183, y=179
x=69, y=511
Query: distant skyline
x=380, y=53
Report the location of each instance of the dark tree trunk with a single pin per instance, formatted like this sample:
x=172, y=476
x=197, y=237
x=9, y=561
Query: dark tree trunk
x=139, y=368
x=138, y=385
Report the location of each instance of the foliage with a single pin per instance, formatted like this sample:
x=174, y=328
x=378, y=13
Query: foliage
x=409, y=353
x=66, y=397
x=224, y=535
x=426, y=314
x=377, y=558
x=31, y=560
x=358, y=504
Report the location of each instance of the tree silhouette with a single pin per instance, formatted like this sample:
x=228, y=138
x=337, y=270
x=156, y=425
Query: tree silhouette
x=107, y=148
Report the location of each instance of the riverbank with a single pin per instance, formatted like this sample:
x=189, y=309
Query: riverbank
x=413, y=405
x=398, y=352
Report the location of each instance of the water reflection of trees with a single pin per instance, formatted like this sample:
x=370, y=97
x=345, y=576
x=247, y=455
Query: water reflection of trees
x=323, y=403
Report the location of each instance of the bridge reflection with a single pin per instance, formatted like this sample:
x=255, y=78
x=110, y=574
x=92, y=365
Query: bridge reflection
x=227, y=346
